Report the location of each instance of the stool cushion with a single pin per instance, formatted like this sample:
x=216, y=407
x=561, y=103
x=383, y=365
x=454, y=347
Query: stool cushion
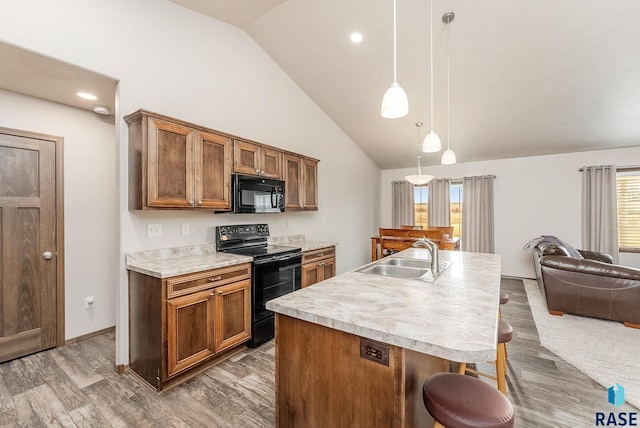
x=505, y=332
x=504, y=298
x=460, y=401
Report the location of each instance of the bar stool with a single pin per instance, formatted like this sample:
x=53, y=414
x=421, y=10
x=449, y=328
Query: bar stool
x=505, y=334
x=456, y=401
x=504, y=299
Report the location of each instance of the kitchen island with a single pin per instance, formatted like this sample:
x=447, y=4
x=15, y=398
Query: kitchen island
x=354, y=350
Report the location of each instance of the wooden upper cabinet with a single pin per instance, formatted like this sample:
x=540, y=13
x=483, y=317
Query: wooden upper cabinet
x=255, y=159
x=301, y=183
x=292, y=182
x=212, y=157
x=173, y=164
x=310, y=183
x=170, y=165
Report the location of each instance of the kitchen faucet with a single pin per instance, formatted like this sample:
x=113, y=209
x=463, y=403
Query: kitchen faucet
x=433, y=250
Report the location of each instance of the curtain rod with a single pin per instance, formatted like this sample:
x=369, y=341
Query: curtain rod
x=621, y=168
x=453, y=180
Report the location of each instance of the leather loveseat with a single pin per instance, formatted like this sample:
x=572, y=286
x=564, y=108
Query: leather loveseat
x=585, y=282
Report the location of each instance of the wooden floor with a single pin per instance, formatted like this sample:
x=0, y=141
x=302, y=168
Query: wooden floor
x=76, y=386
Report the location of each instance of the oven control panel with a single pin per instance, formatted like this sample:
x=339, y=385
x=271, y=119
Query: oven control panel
x=242, y=232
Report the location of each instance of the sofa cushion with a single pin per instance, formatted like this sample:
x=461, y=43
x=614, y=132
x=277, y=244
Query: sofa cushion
x=591, y=267
x=571, y=252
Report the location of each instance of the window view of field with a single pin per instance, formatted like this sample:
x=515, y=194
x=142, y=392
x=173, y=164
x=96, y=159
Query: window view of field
x=421, y=201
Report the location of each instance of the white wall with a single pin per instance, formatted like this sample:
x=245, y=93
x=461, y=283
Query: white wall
x=180, y=63
x=90, y=216
x=534, y=196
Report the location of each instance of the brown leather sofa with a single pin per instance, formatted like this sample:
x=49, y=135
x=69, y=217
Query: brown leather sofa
x=585, y=282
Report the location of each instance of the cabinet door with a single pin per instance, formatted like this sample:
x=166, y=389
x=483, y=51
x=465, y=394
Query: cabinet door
x=270, y=163
x=212, y=171
x=190, y=330
x=293, y=182
x=310, y=274
x=170, y=165
x=310, y=181
x=245, y=158
x=233, y=314
x=328, y=268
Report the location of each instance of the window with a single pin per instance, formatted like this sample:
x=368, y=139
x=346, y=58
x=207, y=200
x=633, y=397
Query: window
x=628, y=185
x=421, y=201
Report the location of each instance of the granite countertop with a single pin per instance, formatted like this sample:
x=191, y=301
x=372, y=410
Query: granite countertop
x=454, y=318
x=169, y=262
x=299, y=241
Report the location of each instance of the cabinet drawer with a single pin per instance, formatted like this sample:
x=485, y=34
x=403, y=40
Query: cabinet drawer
x=185, y=284
x=315, y=255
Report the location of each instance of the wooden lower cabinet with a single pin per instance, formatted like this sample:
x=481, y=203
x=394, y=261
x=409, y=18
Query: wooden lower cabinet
x=179, y=325
x=318, y=265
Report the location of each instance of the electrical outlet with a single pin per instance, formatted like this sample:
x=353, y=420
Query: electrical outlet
x=154, y=230
x=89, y=302
x=185, y=228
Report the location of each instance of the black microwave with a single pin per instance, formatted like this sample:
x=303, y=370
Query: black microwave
x=257, y=195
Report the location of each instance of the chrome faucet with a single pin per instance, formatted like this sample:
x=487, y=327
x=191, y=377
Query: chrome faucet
x=433, y=250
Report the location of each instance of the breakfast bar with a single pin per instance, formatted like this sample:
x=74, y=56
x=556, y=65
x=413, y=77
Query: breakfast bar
x=355, y=350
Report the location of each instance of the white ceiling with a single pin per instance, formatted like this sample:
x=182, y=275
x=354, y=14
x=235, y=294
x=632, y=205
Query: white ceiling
x=528, y=77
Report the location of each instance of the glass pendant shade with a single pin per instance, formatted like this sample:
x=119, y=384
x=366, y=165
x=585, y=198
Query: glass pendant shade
x=448, y=157
x=395, y=103
x=419, y=178
x=431, y=143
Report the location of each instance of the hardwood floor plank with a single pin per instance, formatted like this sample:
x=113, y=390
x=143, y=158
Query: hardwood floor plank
x=39, y=406
x=8, y=413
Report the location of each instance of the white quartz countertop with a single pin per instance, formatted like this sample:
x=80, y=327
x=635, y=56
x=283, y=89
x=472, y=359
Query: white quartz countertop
x=169, y=262
x=454, y=317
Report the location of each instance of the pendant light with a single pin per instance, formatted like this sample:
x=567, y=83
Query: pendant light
x=419, y=179
x=394, y=103
x=448, y=157
x=431, y=142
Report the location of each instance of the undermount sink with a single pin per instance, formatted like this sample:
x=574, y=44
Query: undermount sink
x=400, y=267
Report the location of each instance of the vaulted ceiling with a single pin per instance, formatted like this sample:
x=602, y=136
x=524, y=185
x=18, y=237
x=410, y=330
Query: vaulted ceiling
x=528, y=77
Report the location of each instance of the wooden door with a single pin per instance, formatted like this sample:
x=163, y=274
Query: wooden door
x=28, y=246
x=170, y=165
x=270, y=163
x=212, y=171
x=292, y=179
x=310, y=180
x=190, y=330
x=233, y=314
x=245, y=158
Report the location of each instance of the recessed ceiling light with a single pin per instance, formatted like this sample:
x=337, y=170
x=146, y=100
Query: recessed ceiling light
x=356, y=37
x=101, y=110
x=87, y=96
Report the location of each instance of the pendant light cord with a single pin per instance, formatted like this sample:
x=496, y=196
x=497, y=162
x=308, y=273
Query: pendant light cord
x=431, y=54
x=448, y=91
x=395, y=79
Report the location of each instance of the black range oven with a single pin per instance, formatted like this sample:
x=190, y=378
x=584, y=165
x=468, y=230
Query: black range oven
x=276, y=270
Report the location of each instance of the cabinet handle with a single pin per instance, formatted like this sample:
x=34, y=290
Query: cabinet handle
x=200, y=202
x=215, y=278
x=257, y=171
x=213, y=293
x=321, y=264
x=191, y=203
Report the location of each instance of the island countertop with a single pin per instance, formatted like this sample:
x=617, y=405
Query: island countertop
x=454, y=318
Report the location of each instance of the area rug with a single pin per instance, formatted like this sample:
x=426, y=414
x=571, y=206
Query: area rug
x=606, y=351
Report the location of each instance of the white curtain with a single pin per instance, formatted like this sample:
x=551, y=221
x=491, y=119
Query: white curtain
x=600, y=210
x=439, y=202
x=477, y=214
x=403, y=209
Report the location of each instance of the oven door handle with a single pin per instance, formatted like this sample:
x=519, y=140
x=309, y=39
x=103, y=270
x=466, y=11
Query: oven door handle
x=271, y=259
